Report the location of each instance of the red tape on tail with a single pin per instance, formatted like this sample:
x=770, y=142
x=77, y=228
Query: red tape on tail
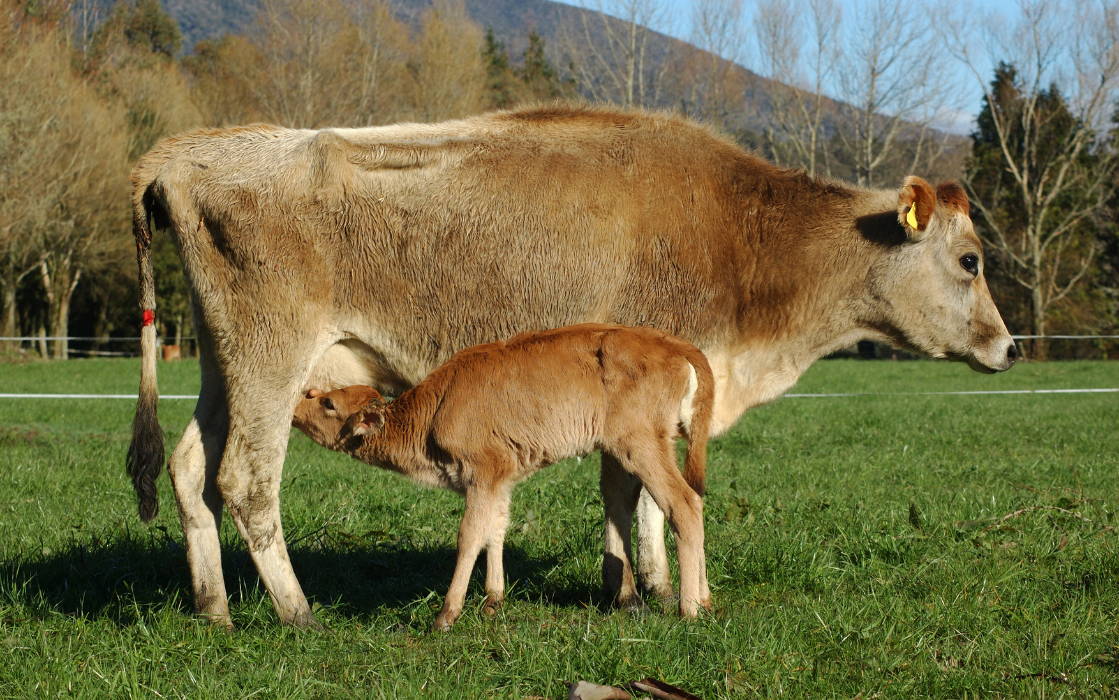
x=149, y=318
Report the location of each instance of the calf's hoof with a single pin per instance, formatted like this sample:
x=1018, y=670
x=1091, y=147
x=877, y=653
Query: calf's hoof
x=492, y=605
x=445, y=620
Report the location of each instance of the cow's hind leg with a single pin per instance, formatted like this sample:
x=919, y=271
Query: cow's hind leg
x=260, y=411
x=654, y=462
x=250, y=483
x=619, y=497
x=193, y=470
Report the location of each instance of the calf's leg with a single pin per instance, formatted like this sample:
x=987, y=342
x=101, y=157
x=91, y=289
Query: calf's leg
x=484, y=506
x=495, y=566
x=619, y=497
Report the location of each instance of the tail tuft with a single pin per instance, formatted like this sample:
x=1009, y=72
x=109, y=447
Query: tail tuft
x=145, y=457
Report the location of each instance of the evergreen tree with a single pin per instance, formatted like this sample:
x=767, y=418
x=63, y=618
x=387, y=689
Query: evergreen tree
x=538, y=75
x=143, y=24
x=499, y=76
x=1035, y=184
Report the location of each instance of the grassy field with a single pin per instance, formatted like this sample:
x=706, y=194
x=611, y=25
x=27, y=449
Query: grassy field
x=883, y=545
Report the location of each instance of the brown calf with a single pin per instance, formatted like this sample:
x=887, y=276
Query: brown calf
x=495, y=413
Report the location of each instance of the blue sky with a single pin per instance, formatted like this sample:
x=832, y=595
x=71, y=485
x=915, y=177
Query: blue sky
x=964, y=83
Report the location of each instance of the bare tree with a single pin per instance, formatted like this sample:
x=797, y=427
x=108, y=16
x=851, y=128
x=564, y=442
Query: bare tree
x=314, y=63
x=888, y=74
x=449, y=71
x=1048, y=141
x=708, y=79
x=63, y=158
x=798, y=48
x=610, y=51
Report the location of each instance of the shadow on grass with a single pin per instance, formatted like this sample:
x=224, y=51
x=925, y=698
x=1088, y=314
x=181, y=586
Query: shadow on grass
x=128, y=576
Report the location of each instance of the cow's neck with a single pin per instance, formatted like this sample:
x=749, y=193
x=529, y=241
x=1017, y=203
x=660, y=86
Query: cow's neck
x=809, y=302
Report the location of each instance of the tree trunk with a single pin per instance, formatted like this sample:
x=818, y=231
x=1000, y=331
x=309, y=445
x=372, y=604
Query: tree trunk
x=9, y=322
x=8, y=325
x=1041, y=344
x=59, y=290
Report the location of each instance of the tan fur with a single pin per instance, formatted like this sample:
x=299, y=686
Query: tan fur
x=390, y=248
x=494, y=414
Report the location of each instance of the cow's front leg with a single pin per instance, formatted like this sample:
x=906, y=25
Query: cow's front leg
x=619, y=497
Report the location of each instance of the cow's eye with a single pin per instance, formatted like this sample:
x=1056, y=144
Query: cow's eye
x=970, y=262
x=326, y=403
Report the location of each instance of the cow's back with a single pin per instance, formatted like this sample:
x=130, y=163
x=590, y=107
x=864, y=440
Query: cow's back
x=419, y=240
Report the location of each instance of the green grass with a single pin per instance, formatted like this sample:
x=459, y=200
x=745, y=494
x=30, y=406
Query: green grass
x=892, y=545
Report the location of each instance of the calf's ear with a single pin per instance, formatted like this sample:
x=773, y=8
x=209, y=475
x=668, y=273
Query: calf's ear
x=369, y=423
x=312, y=393
x=916, y=201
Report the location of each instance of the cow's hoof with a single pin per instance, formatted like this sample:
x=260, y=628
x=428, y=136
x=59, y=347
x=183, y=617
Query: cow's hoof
x=222, y=622
x=306, y=620
x=628, y=601
x=665, y=594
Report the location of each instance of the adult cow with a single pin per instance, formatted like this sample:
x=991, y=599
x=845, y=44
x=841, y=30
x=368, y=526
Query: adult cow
x=368, y=256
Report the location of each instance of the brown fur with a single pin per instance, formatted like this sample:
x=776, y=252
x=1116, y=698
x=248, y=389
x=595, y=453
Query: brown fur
x=951, y=195
x=369, y=256
x=494, y=414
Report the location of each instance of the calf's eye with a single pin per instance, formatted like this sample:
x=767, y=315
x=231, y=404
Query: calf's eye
x=970, y=262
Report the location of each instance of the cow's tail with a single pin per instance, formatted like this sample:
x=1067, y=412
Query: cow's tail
x=145, y=454
x=699, y=427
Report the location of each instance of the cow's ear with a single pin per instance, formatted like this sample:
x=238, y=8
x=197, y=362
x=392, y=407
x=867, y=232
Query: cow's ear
x=916, y=200
x=312, y=393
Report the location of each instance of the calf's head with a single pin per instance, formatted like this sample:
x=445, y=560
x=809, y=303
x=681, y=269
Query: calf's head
x=366, y=421
x=321, y=415
x=928, y=289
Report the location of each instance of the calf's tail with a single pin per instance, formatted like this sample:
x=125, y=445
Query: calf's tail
x=699, y=429
x=145, y=454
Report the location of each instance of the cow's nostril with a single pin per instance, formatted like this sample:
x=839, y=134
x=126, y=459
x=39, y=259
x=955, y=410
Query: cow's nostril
x=1012, y=353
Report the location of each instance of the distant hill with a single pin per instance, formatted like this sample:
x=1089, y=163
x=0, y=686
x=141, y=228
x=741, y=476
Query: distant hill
x=511, y=22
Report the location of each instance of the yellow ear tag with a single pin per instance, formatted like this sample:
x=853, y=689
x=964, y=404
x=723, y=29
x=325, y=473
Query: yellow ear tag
x=911, y=217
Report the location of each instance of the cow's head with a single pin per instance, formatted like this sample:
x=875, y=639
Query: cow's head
x=321, y=415
x=929, y=291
